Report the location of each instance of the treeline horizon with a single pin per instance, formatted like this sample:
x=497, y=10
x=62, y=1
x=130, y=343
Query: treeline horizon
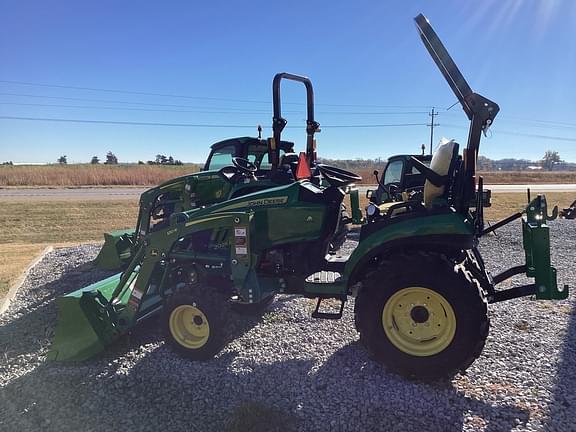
x=483, y=164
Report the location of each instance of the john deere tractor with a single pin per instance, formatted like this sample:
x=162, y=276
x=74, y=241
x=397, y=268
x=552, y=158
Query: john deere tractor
x=400, y=181
x=422, y=289
x=212, y=185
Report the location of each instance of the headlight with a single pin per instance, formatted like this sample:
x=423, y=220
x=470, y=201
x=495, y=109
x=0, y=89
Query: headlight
x=372, y=210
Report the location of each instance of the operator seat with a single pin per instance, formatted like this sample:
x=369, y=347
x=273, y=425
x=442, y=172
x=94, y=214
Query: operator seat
x=289, y=161
x=287, y=168
x=443, y=163
x=438, y=178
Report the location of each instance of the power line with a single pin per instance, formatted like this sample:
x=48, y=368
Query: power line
x=135, y=123
x=205, y=111
x=374, y=125
x=141, y=93
x=130, y=109
x=504, y=132
x=121, y=102
x=550, y=137
x=130, y=123
x=559, y=125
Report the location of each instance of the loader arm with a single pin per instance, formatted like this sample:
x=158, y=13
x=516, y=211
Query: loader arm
x=95, y=316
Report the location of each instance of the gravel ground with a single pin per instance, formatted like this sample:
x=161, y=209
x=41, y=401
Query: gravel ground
x=288, y=371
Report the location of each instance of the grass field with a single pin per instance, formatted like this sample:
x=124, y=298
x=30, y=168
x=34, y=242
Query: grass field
x=90, y=175
x=145, y=175
x=28, y=227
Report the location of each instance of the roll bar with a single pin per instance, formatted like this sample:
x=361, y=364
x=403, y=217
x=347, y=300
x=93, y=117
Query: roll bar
x=278, y=122
x=479, y=110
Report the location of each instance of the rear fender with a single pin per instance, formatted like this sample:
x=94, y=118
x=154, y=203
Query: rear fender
x=449, y=231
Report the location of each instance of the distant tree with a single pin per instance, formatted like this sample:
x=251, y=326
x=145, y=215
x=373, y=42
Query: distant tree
x=63, y=160
x=161, y=159
x=550, y=158
x=140, y=162
x=111, y=159
x=485, y=164
x=8, y=163
x=95, y=160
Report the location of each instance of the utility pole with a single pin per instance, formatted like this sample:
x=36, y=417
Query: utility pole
x=431, y=125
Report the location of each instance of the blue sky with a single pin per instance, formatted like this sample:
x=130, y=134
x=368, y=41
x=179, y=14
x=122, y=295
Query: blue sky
x=365, y=59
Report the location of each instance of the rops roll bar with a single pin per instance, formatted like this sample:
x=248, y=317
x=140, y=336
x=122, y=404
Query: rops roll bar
x=479, y=110
x=278, y=122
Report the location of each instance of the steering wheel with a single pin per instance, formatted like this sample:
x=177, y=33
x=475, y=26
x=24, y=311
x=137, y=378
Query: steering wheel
x=244, y=165
x=337, y=176
x=392, y=188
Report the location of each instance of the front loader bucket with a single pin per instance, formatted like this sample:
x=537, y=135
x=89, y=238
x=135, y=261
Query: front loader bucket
x=87, y=321
x=117, y=249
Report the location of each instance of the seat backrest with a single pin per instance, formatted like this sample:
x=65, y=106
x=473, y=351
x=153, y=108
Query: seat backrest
x=442, y=163
x=288, y=163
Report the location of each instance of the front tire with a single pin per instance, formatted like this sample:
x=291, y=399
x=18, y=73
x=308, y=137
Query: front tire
x=193, y=323
x=422, y=316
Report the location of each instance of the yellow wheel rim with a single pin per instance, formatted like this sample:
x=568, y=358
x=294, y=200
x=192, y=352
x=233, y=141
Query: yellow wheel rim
x=419, y=321
x=189, y=326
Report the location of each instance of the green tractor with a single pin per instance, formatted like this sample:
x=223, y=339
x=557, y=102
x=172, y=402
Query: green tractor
x=211, y=186
x=403, y=181
x=420, y=283
x=400, y=181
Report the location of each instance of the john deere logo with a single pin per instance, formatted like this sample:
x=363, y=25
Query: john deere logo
x=267, y=201
x=257, y=203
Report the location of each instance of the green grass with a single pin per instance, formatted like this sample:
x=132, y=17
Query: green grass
x=35, y=222
x=28, y=227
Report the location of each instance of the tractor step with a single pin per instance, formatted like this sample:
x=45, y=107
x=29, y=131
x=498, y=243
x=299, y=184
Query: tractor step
x=325, y=284
x=323, y=277
x=328, y=315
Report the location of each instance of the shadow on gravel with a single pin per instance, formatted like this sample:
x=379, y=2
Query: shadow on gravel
x=563, y=398
x=35, y=320
x=159, y=392
x=387, y=402
x=147, y=390
x=563, y=403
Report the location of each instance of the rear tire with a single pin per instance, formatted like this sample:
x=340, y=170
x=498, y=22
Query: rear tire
x=422, y=316
x=194, y=323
